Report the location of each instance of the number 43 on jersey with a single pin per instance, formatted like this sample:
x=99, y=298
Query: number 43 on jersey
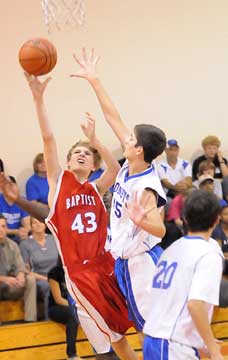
x=84, y=223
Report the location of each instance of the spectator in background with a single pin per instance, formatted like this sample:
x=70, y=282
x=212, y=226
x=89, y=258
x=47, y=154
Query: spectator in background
x=18, y=220
x=175, y=174
x=208, y=167
x=60, y=310
x=37, y=185
x=220, y=234
x=40, y=255
x=211, y=145
x=14, y=282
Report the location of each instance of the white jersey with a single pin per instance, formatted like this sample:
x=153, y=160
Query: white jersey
x=127, y=239
x=182, y=170
x=190, y=269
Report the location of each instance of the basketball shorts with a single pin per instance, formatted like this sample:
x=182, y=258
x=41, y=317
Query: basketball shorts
x=161, y=349
x=101, y=307
x=134, y=276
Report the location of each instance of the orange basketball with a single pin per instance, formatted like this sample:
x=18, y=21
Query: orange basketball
x=37, y=56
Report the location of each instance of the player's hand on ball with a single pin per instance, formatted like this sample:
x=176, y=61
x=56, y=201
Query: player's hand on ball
x=37, y=87
x=87, y=65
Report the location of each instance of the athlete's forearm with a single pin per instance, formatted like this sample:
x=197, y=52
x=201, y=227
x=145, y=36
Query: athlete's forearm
x=35, y=209
x=110, y=112
x=155, y=228
x=199, y=316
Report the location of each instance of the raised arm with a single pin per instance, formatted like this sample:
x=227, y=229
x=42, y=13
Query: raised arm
x=50, y=150
x=112, y=166
x=87, y=71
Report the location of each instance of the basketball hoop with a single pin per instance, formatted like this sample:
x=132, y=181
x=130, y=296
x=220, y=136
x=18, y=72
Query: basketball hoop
x=60, y=14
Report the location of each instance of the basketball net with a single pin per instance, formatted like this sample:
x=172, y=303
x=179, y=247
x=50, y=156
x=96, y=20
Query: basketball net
x=61, y=14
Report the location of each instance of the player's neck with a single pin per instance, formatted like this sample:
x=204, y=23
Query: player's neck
x=201, y=234
x=80, y=176
x=137, y=166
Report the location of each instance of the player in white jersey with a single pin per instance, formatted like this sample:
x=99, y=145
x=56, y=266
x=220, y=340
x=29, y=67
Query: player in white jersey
x=186, y=287
x=136, y=224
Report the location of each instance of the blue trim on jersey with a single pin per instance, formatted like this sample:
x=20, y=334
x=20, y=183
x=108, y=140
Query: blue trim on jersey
x=164, y=167
x=185, y=164
x=155, y=349
x=155, y=253
x=146, y=172
x=124, y=282
x=196, y=353
x=193, y=237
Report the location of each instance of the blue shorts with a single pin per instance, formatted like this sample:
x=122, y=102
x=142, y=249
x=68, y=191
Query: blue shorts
x=162, y=349
x=135, y=277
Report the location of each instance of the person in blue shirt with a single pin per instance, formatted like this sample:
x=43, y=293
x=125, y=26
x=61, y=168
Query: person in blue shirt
x=37, y=185
x=18, y=220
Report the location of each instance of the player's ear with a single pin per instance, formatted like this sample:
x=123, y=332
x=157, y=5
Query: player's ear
x=139, y=150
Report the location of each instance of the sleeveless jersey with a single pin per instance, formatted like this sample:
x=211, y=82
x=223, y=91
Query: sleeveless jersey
x=74, y=219
x=127, y=239
x=189, y=269
x=78, y=219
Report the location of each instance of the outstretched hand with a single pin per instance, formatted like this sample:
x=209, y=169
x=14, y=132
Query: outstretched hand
x=8, y=188
x=37, y=87
x=88, y=127
x=87, y=65
x=137, y=208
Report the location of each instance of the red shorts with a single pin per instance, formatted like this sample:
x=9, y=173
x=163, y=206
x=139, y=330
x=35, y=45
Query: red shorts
x=95, y=288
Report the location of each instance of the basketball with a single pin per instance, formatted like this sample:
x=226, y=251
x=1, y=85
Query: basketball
x=37, y=56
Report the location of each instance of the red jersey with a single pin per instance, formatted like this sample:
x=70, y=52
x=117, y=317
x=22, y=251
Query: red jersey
x=79, y=221
x=78, y=209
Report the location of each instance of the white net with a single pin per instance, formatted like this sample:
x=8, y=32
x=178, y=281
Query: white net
x=61, y=14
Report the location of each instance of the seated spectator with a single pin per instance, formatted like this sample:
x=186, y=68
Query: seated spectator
x=37, y=185
x=208, y=167
x=211, y=145
x=40, y=255
x=62, y=311
x=18, y=220
x=14, y=282
x=175, y=174
x=174, y=221
x=220, y=234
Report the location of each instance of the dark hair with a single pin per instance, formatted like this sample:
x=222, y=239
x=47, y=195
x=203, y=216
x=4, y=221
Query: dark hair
x=152, y=139
x=201, y=210
x=12, y=179
x=3, y=217
x=1, y=166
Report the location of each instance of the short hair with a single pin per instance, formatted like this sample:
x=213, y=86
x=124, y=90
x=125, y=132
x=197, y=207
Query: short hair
x=210, y=140
x=39, y=158
x=3, y=217
x=152, y=139
x=205, y=165
x=201, y=210
x=96, y=154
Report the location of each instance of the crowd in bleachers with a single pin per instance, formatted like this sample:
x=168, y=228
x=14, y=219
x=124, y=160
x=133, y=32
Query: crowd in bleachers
x=28, y=253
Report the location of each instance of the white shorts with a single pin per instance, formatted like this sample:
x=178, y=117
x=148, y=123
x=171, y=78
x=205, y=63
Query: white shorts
x=134, y=276
x=161, y=349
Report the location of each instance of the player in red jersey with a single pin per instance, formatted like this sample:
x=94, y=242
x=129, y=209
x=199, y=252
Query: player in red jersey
x=79, y=222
